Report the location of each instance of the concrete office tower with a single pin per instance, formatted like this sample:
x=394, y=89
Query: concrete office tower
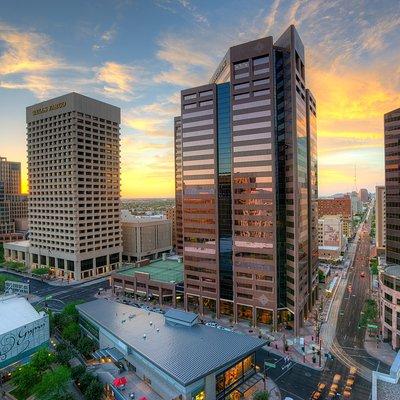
x=74, y=186
x=250, y=186
x=380, y=218
x=13, y=205
x=392, y=184
x=363, y=195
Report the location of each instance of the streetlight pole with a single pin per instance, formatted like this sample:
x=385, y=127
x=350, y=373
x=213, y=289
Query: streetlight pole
x=320, y=347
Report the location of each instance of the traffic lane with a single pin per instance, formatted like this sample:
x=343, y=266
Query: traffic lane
x=85, y=293
x=294, y=380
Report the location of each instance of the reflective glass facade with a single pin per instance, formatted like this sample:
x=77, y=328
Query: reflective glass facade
x=250, y=186
x=224, y=190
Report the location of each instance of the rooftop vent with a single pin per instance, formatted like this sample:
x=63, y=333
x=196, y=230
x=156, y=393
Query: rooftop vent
x=178, y=317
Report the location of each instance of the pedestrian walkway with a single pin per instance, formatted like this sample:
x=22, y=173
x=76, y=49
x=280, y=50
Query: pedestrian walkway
x=379, y=350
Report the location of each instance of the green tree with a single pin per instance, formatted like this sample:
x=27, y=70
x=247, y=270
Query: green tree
x=85, y=380
x=53, y=385
x=63, y=354
x=42, y=359
x=262, y=395
x=77, y=372
x=71, y=332
x=24, y=377
x=94, y=391
x=85, y=346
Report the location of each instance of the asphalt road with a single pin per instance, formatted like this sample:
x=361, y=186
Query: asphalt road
x=85, y=291
x=348, y=346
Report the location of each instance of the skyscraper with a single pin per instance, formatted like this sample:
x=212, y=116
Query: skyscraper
x=13, y=205
x=380, y=218
x=249, y=186
x=74, y=186
x=392, y=184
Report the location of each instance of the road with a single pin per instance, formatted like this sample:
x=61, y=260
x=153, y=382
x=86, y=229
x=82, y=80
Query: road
x=85, y=291
x=347, y=344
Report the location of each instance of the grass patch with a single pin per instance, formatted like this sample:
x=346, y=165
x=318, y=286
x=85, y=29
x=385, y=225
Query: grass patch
x=7, y=277
x=19, y=394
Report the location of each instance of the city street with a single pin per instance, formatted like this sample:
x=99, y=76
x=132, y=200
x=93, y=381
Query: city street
x=84, y=291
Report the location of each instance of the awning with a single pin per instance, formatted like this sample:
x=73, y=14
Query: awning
x=249, y=383
x=120, y=381
x=112, y=352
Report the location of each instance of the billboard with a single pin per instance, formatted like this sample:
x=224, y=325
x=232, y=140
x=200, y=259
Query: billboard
x=23, y=341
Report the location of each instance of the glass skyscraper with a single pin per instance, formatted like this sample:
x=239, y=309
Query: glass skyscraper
x=246, y=179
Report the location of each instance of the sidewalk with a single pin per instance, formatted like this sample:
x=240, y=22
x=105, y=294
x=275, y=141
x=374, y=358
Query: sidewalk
x=379, y=350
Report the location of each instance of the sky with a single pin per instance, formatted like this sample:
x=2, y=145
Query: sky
x=139, y=54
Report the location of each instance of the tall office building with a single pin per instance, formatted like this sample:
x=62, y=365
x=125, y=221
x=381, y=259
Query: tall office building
x=178, y=185
x=74, y=185
x=392, y=184
x=247, y=152
x=13, y=204
x=363, y=195
x=380, y=218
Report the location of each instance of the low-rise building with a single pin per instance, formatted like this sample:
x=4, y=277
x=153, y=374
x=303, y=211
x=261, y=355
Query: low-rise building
x=144, y=237
x=17, y=251
x=389, y=299
x=23, y=330
x=331, y=239
x=161, y=280
x=178, y=357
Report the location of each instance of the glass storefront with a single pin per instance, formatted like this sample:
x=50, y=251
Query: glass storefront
x=227, y=381
x=264, y=317
x=209, y=306
x=245, y=312
x=193, y=303
x=226, y=308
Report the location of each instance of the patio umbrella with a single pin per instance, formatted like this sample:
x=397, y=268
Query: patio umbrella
x=119, y=381
x=143, y=398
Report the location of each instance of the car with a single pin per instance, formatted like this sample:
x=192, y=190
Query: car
x=337, y=378
x=362, y=274
x=316, y=395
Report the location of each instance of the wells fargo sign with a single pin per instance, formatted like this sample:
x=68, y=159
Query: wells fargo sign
x=49, y=108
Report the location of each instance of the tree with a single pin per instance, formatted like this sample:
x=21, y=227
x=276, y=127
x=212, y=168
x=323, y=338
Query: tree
x=63, y=354
x=24, y=377
x=77, y=372
x=71, y=332
x=42, y=359
x=85, y=346
x=94, y=391
x=53, y=384
x=85, y=380
x=262, y=395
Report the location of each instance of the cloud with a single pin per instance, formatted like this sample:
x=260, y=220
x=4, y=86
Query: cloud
x=117, y=79
x=188, y=63
x=105, y=38
x=25, y=52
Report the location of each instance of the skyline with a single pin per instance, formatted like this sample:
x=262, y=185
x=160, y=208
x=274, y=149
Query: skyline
x=95, y=56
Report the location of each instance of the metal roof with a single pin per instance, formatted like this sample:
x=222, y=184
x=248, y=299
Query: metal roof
x=186, y=353
x=180, y=316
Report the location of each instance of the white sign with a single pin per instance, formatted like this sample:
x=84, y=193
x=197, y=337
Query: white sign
x=15, y=344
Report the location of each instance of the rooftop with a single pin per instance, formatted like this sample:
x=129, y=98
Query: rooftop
x=19, y=243
x=186, y=353
x=160, y=270
x=393, y=270
x=16, y=312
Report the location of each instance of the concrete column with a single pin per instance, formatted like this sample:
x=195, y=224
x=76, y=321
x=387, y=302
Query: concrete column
x=254, y=319
x=77, y=270
x=209, y=387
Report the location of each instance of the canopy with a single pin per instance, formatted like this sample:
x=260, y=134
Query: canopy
x=143, y=398
x=119, y=381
